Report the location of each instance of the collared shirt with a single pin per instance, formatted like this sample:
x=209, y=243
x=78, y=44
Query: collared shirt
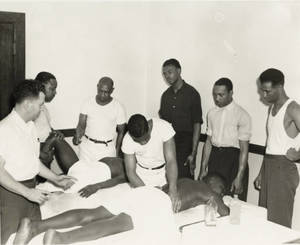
x=227, y=125
x=43, y=125
x=182, y=109
x=19, y=147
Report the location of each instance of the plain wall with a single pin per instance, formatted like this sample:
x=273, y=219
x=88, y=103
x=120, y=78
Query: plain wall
x=82, y=41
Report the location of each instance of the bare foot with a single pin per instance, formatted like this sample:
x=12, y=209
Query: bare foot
x=24, y=233
x=51, y=237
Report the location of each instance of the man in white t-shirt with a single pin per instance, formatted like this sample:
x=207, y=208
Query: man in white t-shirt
x=149, y=154
x=99, y=120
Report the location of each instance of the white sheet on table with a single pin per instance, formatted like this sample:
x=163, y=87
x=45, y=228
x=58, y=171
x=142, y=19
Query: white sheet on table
x=85, y=172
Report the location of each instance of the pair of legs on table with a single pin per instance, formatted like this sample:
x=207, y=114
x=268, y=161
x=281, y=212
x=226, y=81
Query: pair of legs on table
x=95, y=223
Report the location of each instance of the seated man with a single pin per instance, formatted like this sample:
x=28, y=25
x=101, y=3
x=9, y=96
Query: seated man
x=68, y=158
x=193, y=193
x=43, y=124
x=149, y=154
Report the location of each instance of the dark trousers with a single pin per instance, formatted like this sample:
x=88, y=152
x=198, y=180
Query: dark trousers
x=184, y=147
x=225, y=161
x=279, y=182
x=13, y=208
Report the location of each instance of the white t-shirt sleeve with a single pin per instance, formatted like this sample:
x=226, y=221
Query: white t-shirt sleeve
x=85, y=107
x=128, y=145
x=166, y=130
x=121, y=114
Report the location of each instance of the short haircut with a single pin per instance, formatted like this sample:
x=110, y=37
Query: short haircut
x=137, y=125
x=215, y=175
x=43, y=77
x=27, y=89
x=224, y=81
x=272, y=75
x=172, y=62
x=106, y=80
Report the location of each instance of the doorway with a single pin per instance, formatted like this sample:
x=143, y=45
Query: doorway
x=12, y=57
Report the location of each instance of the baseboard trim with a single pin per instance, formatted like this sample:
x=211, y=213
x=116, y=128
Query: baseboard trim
x=253, y=148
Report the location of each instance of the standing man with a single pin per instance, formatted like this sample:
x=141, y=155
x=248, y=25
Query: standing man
x=278, y=177
x=19, y=161
x=149, y=154
x=44, y=129
x=228, y=133
x=99, y=119
x=181, y=106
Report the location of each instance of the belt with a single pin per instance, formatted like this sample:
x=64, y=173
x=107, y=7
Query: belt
x=98, y=141
x=159, y=167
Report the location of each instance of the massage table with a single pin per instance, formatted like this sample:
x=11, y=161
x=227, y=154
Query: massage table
x=161, y=226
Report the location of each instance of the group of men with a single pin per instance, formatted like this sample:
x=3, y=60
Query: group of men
x=156, y=152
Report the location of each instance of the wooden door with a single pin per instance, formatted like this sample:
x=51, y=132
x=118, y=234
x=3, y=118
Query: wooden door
x=12, y=56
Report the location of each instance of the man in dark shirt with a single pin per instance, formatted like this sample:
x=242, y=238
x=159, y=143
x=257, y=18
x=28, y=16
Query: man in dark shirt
x=181, y=106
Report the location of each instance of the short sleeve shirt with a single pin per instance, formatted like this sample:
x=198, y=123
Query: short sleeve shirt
x=19, y=146
x=151, y=154
x=228, y=125
x=102, y=120
x=43, y=125
x=182, y=109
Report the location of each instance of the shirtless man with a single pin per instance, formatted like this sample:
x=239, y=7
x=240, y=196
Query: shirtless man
x=193, y=193
x=278, y=173
x=99, y=222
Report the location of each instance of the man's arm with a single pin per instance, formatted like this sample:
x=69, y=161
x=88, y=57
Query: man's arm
x=293, y=111
x=192, y=157
x=121, y=132
x=91, y=189
x=130, y=166
x=9, y=183
x=205, y=157
x=63, y=181
x=237, y=186
x=172, y=172
x=80, y=129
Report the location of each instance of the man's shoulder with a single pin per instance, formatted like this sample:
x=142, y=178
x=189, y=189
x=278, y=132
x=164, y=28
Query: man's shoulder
x=293, y=108
x=167, y=92
x=191, y=89
x=158, y=122
x=240, y=109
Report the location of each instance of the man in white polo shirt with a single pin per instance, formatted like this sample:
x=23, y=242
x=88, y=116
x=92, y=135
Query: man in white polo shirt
x=150, y=154
x=19, y=162
x=101, y=117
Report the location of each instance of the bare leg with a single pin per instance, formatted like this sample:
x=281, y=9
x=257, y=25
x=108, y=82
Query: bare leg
x=64, y=155
x=91, y=231
x=77, y=217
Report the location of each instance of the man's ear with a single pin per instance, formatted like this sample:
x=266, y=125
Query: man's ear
x=112, y=90
x=27, y=104
x=179, y=71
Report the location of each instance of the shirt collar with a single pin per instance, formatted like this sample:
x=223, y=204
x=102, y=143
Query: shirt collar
x=226, y=108
x=19, y=121
x=182, y=87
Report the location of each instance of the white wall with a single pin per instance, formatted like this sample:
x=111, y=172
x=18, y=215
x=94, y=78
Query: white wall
x=80, y=42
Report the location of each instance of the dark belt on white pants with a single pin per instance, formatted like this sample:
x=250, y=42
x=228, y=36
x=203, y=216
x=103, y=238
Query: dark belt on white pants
x=98, y=141
x=158, y=167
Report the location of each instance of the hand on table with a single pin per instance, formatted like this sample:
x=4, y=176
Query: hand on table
x=88, y=190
